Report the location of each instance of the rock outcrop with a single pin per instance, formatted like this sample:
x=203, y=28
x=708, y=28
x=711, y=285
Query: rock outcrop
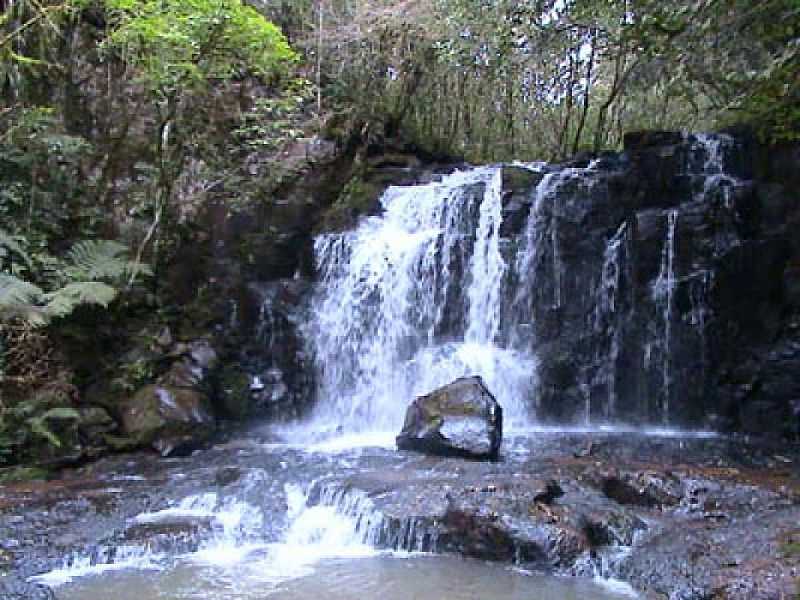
x=459, y=419
x=662, y=283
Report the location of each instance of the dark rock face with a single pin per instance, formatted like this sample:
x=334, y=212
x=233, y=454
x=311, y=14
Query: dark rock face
x=662, y=285
x=459, y=419
x=271, y=375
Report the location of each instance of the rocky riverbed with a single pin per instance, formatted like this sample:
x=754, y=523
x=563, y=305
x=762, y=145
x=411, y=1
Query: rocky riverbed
x=675, y=517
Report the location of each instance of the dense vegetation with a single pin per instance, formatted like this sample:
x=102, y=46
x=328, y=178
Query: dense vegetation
x=121, y=119
x=496, y=79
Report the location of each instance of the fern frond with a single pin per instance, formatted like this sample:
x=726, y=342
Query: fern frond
x=20, y=300
x=39, y=424
x=63, y=301
x=9, y=242
x=102, y=260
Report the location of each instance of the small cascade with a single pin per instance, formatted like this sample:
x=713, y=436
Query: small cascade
x=234, y=529
x=606, y=318
x=372, y=528
x=664, y=299
x=231, y=532
x=540, y=243
x=713, y=150
x=488, y=269
x=529, y=255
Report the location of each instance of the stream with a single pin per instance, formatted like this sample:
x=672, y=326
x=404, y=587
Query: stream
x=276, y=531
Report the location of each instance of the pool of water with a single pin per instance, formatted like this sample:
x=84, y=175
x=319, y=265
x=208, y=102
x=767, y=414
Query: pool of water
x=383, y=577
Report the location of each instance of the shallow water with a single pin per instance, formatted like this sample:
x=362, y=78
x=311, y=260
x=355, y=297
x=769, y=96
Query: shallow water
x=381, y=577
x=262, y=536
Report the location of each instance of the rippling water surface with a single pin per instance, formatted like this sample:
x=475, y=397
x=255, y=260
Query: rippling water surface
x=375, y=577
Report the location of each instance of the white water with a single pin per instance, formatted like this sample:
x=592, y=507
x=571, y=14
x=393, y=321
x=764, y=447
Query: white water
x=329, y=549
x=412, y=300
x=607, y=304
x=342, y=525
x=664, y=298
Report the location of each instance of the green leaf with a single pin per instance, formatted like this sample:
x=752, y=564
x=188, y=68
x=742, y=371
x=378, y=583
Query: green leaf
x=63, y=413
x=12, y=243
x=97, y=260
x=65, y=300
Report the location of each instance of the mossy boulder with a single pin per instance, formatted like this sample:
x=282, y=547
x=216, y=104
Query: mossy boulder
x=168, y=418
x=460, y=419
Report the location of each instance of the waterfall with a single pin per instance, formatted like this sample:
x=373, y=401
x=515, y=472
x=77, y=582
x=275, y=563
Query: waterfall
x=539, y=240
x=411, y=300
x=605, y=317
x=438, y=287
x=488, y=268
x=664, y=299
x=529, y=255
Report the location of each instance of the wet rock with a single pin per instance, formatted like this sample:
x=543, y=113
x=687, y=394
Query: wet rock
x=639, y=140
x=273, y=376
x=640, y=489
x=175, y=535
x=22, y=590
x=196, y=360
x=694, y=210
x=459, y=419
x=227, y=476
x=168, y=418
x=95, y=422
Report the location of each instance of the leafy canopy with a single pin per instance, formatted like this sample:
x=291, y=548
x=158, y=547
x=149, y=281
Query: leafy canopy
x=179, y=43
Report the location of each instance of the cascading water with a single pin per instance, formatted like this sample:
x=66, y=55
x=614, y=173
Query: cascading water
x=538, y=233
x=606, y=317
x=429, y=291
x=664, y=299
x=713, y=149
x=412, y=300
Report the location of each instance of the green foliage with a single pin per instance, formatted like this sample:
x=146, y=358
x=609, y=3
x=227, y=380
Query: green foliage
x=503, y=79
x=44, y=188
x=30, y=37
x=39, y=424
x=20, y=300
x=180, y=43
x=273, y=121
x=31, y=422
x=102, y=260
x=91, y=274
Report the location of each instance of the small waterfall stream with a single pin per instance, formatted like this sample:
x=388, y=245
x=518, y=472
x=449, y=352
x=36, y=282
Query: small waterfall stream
x=664, y=299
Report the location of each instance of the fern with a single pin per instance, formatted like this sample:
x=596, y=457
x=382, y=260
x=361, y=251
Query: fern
x=102, y=260
x=92, y=271
x=39, y=424
x=9, y=243
x=66, y=299
x=20, y=300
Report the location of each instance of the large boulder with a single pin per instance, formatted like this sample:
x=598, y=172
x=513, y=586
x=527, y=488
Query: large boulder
x=170, y=419
x=459, y=419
